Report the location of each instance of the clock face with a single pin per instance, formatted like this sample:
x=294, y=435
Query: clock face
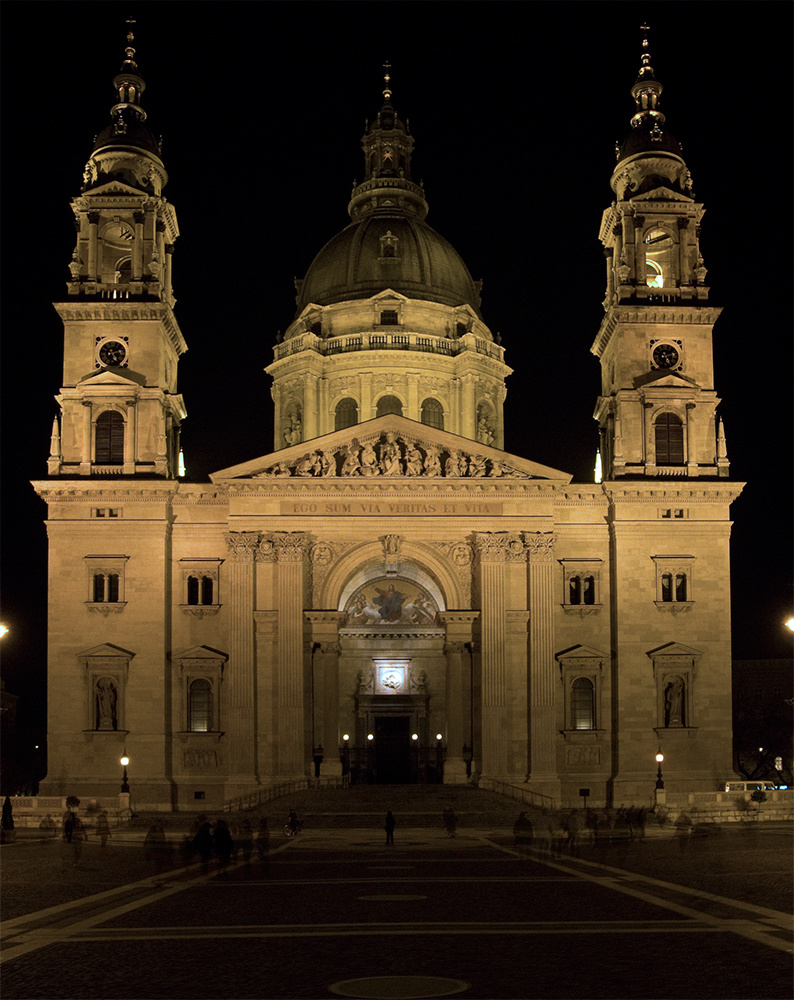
x=665, y=356
x=112, y=353
x=118, y=233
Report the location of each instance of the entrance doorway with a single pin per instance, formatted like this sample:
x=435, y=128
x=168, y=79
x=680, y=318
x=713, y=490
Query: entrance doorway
x=393, y=749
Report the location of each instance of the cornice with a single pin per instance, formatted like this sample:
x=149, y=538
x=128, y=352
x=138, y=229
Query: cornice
x=124, y=312
x=653, y=313
x=76, y=491
x=653, y=492
x=406, y=489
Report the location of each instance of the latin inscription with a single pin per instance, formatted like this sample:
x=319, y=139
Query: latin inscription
x=362, y=508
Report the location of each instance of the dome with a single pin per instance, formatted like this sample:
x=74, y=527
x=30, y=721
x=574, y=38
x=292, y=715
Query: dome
x=133, y=133
x=647, y=140
x=388, y=251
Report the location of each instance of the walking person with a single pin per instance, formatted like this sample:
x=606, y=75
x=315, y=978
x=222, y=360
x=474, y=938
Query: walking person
x=450, y=821
x=202, y=844
x=389, y=827
x=263, y=846
x=246, y=840
x=103, y=828
x=223, y=845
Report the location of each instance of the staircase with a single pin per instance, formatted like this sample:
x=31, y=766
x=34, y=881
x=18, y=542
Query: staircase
x=365, y=806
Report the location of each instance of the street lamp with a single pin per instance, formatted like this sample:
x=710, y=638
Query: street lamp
x=125, y=785
x=660, y=794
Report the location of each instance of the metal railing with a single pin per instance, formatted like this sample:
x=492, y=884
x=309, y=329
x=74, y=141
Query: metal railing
x=253, y=800
x=526, y=795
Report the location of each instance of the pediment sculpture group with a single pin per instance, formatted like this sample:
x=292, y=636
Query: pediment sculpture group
x=393, y=456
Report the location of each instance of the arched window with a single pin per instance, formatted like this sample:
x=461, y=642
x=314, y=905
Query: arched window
x=346, y=414
x=583, y=704
x=199, y=590
x=200, y=707
x=389, y=404
x=106, y=588
x=669, y=434
x=433, y=413
x=109, y=438
x=680, y=587
x=574, y=590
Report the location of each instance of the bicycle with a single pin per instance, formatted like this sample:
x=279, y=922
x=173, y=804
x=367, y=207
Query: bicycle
x=293, y=828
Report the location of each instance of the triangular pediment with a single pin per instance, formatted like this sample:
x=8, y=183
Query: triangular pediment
x=674, y=649
x=104, y=650
x=426, y=451
x=113, y=376
x=199, y=653
x=113, y=187
x=662, y=194
x=580, y=652
x=664, y=379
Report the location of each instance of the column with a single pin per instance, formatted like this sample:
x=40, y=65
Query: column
x=130, y=438
x=492, y=553
x=325, y=665
x=309, y=408
x=137, y=247
x=459, y=635
x=542, y=714
x=468, y=410
x=168, y=292
x=93, y=227
x=242, y=546
x=691, y=444
x=266, y=623
x=289, y=671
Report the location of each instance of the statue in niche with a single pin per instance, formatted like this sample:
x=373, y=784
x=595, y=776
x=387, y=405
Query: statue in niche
x=413, y=461
x=106, y=698
x=484, y=432
x=674, y=702
x=477, y=466
x=351, y=465
x=391, y=545
x=432, y=466
x=390, y=457
x=293, y=434
x=369, y=461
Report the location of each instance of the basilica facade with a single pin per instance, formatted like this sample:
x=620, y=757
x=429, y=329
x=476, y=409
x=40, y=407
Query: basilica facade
x=388, y=596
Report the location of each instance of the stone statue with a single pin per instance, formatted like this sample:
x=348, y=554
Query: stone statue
x=452, y=466
x=432, y=466
x=369, y=461
x=106, y=700
x=390, y=457
x=674, y=703
x=477, y=466
x=413, y=461
x=351, y=465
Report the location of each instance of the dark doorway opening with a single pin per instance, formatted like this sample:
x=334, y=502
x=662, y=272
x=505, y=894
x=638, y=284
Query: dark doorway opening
x=393, y=749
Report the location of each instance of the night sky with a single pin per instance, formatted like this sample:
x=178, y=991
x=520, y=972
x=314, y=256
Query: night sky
x=262, y=106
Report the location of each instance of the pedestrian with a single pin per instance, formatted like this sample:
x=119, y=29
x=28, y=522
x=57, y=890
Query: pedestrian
x=450, y=821
x=522, y=831
x=389, y=827
x=246, y=840
x=202, y=844
x=575, y=828
x=48, y=826
x=263, y=846
x=103, y=828
x=74, y=835
x=683, y=828
x=223, y=845
x=544, y=832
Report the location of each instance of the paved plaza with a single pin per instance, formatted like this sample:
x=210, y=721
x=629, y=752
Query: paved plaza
x=334, y=912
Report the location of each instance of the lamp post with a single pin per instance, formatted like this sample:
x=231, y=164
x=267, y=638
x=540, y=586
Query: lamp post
x=660, y=794
x=317, y=757
x=124, y=794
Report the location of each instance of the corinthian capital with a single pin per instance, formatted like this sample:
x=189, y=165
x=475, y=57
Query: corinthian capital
x=540, y=546
x=290, y=545
x=492, y=546
x=242, y=545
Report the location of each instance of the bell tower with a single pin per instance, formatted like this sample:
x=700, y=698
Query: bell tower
x=657, y=412
x=120, y=411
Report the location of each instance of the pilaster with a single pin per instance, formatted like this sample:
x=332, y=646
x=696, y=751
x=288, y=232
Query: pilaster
x=242, y=546
x=457, y=650
x=492, y=549
x=542, y=729
x=325, y=687
x=290, y=547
